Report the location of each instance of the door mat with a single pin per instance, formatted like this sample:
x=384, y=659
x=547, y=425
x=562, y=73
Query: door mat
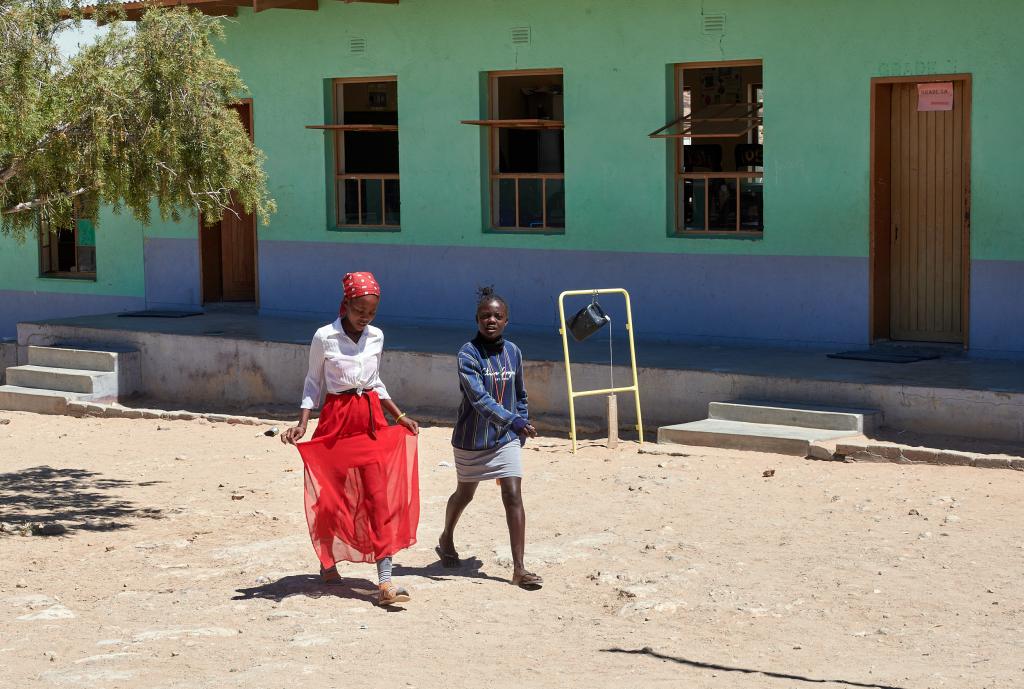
x=885, y=357
x=159, y=313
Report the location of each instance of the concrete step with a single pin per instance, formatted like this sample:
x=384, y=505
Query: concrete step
x=8, y=355
x=97, y=384
x=743, y=435
x=804, y=416
x=15, y=398
x=72, y=357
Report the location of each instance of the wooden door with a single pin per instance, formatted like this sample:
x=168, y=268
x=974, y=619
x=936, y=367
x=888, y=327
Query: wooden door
x=238, y=254
x=228, y=247
x=928, y=210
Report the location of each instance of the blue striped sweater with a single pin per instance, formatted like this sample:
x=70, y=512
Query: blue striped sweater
x=493, y=397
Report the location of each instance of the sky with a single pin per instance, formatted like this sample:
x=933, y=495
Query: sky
x=68, y=40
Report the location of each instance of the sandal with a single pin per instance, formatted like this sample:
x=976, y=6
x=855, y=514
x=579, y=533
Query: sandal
x=448, y=560
x=390, y=594
x=528, y=581
x=330, y=576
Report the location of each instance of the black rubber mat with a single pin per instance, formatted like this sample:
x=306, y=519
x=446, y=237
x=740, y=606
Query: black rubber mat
x=885, y=357
x=159, y=313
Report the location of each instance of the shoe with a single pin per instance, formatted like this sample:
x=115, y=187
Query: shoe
x=390, y=594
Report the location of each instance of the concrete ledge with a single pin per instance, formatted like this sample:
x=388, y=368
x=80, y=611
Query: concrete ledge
x=741, y=435
x=69, y=357
x=221, y=362
x=96, y=383
x=800, y=415
x=17, y=398
x=117, y=411
x=8, y=356
x=868, y=451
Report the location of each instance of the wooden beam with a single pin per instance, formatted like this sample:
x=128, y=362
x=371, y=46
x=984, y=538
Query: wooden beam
x=135, y=10
x=220, y=10
x=355, y=127
x=518, y=124
x=261, y=5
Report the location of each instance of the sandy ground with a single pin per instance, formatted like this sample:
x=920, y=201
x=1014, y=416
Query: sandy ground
x=187, y=564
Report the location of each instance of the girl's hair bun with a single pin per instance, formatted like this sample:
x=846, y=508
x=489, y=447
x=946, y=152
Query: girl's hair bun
x=485, y=295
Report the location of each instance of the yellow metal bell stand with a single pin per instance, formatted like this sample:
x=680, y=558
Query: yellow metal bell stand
x=634, y=388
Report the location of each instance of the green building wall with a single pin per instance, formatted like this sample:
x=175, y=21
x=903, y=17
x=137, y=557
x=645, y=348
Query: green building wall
x=804, y=282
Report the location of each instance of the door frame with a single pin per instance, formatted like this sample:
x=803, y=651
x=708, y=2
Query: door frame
x=879, y=296
x=255, y=238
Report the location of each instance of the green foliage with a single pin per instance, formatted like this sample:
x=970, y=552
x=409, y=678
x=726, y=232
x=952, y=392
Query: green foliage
x=142, y=114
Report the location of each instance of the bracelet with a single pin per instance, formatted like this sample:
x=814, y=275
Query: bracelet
x=399, y=417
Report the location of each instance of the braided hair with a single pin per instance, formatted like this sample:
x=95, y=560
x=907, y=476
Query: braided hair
x=486, y=295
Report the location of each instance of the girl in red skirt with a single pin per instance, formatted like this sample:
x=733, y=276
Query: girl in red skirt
x=361, y=482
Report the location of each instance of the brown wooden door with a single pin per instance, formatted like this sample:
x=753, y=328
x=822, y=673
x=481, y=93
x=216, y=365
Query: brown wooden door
x=928, y=212
x=228, y=247
x=238, y=254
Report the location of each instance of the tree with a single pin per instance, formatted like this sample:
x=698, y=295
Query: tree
x=138, y=115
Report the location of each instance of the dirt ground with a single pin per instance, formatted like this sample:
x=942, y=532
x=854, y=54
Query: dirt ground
x=186, y=563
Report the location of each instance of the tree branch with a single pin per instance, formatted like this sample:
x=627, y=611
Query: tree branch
x=36, y=203
x=40, y=147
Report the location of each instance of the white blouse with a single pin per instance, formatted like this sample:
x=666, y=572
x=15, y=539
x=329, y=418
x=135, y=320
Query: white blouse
x=341, y=364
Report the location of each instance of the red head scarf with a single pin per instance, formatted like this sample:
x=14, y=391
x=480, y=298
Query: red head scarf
x=358, y=285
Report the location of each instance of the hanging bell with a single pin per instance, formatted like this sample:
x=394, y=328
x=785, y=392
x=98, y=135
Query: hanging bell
x=588, y=321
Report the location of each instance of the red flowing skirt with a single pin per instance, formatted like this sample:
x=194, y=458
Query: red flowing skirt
x=362, y=492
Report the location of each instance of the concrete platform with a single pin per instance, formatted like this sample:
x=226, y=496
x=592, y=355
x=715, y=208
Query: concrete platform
x=8, y=356
x=93, y=383
x=36, y=400
x=228, y=359
x=742, y=435
x=801, y=415
x=73, y=358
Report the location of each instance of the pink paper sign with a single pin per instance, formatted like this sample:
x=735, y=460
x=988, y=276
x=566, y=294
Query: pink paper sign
x=935, y=96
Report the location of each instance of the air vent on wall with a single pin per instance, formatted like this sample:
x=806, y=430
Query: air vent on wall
x=713, y=24
x=357, y=46
x=521, y=35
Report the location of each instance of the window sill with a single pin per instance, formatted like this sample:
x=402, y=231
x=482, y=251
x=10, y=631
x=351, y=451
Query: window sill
x=88, y=277
x=726, y=234
x=543, y=231
x=365, y=228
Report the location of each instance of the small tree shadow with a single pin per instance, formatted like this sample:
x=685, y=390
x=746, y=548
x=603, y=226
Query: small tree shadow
x=648, y=651
x=78, y=498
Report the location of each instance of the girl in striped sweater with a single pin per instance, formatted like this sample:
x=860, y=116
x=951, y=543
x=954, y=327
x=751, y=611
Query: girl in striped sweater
x=493, y=426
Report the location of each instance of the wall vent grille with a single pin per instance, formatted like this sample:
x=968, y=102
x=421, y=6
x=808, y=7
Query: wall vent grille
x=713, y=24
x=357, y=46
x=521, y=35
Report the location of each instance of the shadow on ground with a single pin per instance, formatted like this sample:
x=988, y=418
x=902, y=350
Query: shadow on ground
x=311, y=586
x=648, y=651
x=470, y=568
x=76, y=498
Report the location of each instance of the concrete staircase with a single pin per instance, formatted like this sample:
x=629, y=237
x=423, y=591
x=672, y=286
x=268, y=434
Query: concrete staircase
x=56, y=375
x=782, y=428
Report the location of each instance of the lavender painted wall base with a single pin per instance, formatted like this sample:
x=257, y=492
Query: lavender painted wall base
x=172, y=273
x=788, y=300
x=18, y=306
x=997, y=307
x=779, y=300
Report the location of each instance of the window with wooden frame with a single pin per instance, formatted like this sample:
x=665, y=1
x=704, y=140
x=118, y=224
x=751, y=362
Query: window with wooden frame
x=526, y=150
x=67, y=252
x=718, y=138
x=365, y=134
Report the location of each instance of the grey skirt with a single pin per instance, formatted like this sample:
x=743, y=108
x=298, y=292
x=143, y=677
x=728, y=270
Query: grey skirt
x=505, y=461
